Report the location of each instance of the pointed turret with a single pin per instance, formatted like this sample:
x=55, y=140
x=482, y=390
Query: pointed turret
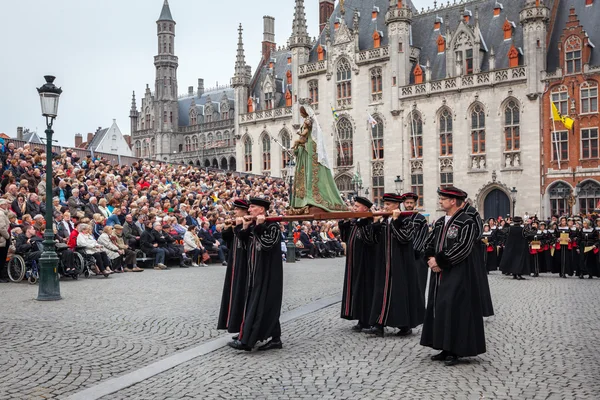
x=165, y=14
x=300, y=36
x=133, y=114
x=240, y=77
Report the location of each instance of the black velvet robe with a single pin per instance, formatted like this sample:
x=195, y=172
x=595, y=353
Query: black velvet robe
x=265, y=283
x=563, y=254
x=397, y=298
x=490, y=251
x=589, y=260
x=516, y=259
x=454, y=319
x=357, y=293
x=421, y=231
x=236, y=276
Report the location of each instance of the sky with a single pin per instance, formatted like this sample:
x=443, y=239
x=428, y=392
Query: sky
x=101, y=51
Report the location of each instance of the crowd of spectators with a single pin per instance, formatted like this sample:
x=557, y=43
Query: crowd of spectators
x=108, y=211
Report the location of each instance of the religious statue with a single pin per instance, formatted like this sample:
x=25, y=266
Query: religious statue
x=314, y=186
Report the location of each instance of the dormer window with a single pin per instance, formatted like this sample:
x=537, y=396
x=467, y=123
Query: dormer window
x=288, y=98
x=288, y=75
x=289, y=60
x=469, y=61
x=508, y=29
x=250, y=105
x=418, y=74
x=320, y=53
x=268, y=100
x=497, y=9
x=441, y=44
x=374, y=13
x=513, y=57
x=573, y=55
x=376, y=39
x=193, y=118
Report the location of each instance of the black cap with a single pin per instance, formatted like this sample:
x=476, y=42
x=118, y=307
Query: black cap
x=364, y=201
x=452, y=192
x=261, y=202
x=411, y=195
x=240, y=203
x=517, y=220
x=393, y=197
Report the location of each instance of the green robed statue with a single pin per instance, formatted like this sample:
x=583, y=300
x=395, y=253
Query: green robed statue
x=313, y=182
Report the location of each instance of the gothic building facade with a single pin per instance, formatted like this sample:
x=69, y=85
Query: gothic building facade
x=195, y=128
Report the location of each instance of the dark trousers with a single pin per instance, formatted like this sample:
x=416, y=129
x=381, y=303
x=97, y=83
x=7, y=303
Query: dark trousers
x=220, y=252
x=3, y=270
x=130, y=259
x=102, y=260
x=195, y=255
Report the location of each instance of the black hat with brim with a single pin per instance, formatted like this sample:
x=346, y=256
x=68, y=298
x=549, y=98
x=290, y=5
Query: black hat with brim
x=411, y=195
x=259, y=201
x=364, y=201
x=452, y=193
x=239, y=203
x=393, y=197
x=518, y=220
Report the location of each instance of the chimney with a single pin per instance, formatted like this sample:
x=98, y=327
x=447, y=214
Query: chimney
x=190, y=90
x=128, y=140
x=78, y=140
x=200, y=87
x=326, y=8
x=20, y=133
x=268, y=44
x=90, y=136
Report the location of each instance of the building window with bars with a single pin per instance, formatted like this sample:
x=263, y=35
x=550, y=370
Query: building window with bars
x=266, y=153
x=313, y=92
x=138, y=149
x=589, y=197
x=344, y=81
x=416, y=135
x=446, y=133
x=560, y=146
x=589, y=97
x=512, y=136
x=416, y=186
x=377, y=145
x=378, y=189
x=560, y=97
x=188, y=144
x=446, y=178
x=344, y=148
x=478, y=130
x=589, y=143
x=247, y=155
x=573, y=54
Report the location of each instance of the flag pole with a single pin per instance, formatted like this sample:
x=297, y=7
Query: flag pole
x=554, y=132
x=373, y=143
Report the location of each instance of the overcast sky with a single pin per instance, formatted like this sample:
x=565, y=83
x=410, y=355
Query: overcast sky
x=100, y=51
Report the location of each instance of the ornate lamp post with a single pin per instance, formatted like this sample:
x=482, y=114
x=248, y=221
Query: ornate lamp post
x=513, y=195
x=291, y=248
x=49, y=288
x=398, y=184
x=357, y=183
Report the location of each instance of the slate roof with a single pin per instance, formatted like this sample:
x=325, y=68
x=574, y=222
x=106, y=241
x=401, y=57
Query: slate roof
x=97, y=139
x=31, y=137
x=588, y=19
x=280, y=69
x=165, y=14
x=184, y=103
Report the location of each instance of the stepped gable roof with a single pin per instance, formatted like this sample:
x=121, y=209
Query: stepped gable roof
x=280, y=68
x=588, y=18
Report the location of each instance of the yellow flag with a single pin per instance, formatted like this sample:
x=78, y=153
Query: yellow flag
x=567, y=122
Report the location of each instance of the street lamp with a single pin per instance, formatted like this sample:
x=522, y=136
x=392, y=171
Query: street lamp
x=513, y=195
x=357, y=182
x=290, y=246
x=398, y=184
x=49, y=288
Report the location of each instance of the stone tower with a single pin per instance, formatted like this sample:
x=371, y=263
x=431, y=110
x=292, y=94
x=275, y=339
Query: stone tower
x=534, y=18
x=166, y=63
x=241, y=85
x=398, y=20
x=133, y=115
x=300, y=45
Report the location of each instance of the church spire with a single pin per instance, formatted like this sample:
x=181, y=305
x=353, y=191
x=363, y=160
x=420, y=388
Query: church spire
x=299, y=36
x=240, y=76
x=165, y=14
x=133, y=103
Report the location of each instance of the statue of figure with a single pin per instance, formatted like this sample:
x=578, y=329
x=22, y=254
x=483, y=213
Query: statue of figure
x=507, y=161
x=313, y=182
x=517, y=161
x=474, y=164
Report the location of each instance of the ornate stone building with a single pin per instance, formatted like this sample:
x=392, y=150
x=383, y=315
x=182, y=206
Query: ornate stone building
x=195, y=128
x=455, y=93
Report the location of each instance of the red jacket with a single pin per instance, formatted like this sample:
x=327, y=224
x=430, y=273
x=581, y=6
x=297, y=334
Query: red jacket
x=72, y=243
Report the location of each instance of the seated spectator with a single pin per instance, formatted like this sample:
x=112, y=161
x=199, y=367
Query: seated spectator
x=28, y=245
x=307, y=243
x=90, y=246
x=193, y=247
x=74, y=203
x=104, y=211
x=111, y=249
x=98, y=225
x=18, y=205
x=150, y=242
x=129, y=256
x=132, y=232
x=33, y=206
x=210, y=243
x=113, y=219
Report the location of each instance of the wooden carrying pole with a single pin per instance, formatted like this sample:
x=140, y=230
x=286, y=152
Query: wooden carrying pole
x=335, y=215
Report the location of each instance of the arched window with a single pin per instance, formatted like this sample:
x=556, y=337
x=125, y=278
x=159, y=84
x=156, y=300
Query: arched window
x=193, y=117
x=589, y=196
x=209, y=140
x=560, y=97
x=266, y=152
x=227, y=139
x=286, y=143
x=138, y=149
x=152, y=147
x=511, y=126
x=147, y=119
x=377, y=132
x=559, y=198
x=194, y=143
x=446, y=133
x=247, y=155
x=416, y=135
x=313, y=93
x=477, y=130
x=202, y=140
x=376, y=84
x=573, y=54
x=114, y=143
x=344, y=184
x=589, y=97
x=344, y=150
x=344, y=83
x=219, y=139
x=145, y=148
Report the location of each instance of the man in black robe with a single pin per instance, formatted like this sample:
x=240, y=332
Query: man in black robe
x=265, y=280
x=516, y=255
x=357, y=294
x=453, y=320
x=421, y=230
x=234, y=288
x=397, y=299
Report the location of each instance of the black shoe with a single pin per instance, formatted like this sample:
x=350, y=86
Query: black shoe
x=591, y=277
x=374, y=330
x=580, y=276
x=564, y=276
x=521, y=278
x=451, y=360
x=3, y=280
x=515, y=277
x=536, y=275
x=182, y=265
x=357, y=328
x=271, y=344
x=404, y=332
x=236, y=344
x=236, y=337
x=440, y=356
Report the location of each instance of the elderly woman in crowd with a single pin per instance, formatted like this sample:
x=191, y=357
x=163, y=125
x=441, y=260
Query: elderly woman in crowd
x=98, y=225
x=109, y=246
x=90, y=246
x=192, y=246
x=104, y=211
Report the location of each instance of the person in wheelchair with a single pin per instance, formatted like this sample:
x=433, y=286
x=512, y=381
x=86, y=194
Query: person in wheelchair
x=29, y=245
x=90, y=247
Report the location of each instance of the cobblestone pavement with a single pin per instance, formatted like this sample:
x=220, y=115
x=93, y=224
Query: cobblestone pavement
x=542, y=344
x=105, y=327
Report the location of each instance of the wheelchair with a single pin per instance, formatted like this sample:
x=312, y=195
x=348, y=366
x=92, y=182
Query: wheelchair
x=84, y=262
x=19, y=269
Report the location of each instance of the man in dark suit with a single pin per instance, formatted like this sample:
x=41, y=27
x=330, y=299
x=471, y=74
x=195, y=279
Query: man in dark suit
x=33, y=206
x=210, y=243
x=92, y=208
x=74, y=202
x=307, y=243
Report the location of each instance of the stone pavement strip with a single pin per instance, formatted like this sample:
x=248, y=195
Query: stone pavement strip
x=542, y=344
x=108, y=327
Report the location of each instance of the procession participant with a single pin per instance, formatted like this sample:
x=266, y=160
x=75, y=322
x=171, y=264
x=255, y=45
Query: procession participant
x=234, y=288
x=357, y=294
x=421, y=231
x=265, y=280
x=516, y=260
x=397, y=299
x=562, y=257
x=453, y=320
x=476, y=257
x=589, y=248
x=536, y=257
x=501, y=239
x=488, y=243
x=493, y=259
